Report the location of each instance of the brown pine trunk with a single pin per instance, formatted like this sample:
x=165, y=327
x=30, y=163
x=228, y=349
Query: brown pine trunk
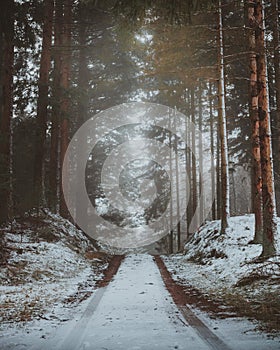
x=83, y=103
x=213, y=189
x=254, y=116
x=223, y=130
x=188, y=168
x=171, y=248
x=65, y=79
x=200, y=151
x=177, y=189
x=218, y=176
x=193, y=156
x=42, y=102
x=268, y=194
x=276, y=46
x=6, y=88
x=54, y=151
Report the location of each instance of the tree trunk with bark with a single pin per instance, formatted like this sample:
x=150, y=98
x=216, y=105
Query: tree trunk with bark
x=223, y=129
x=276, y=48
x=193, y=156
x=42, y=103
x=213, y=185
x=254, y=116
x=171, y=248
x=268, y=193
x=200, y=151
x=218, y=176
x=65, y=85
x=177, y=189
x=6, y=91
x=55, y=118
x=83, y=102
x=188, y=166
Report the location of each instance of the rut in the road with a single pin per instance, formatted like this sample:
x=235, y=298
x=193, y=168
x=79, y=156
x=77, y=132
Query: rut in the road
x=135, y=311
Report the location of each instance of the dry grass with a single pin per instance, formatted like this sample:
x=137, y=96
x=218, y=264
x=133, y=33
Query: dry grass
x=264, y=307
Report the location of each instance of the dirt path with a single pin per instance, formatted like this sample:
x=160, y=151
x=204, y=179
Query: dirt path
x=111, y=270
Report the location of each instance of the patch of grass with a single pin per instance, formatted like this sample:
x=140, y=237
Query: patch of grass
x=14, y=311
x=204, y=257
x=264, y=307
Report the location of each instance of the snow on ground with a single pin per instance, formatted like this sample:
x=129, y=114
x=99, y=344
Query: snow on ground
x=47, y=274
x=45, y=266
x=224, y=267
x=134, y=312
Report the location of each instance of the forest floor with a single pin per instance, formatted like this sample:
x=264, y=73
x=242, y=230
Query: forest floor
x=46, y=262
x=136, y=312
x=225, y=275
x=58, y=292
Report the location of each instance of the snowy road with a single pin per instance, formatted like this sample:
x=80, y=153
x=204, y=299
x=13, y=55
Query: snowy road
x=136, y=312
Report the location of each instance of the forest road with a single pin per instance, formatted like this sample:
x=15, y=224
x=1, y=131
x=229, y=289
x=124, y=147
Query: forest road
x=135, y=311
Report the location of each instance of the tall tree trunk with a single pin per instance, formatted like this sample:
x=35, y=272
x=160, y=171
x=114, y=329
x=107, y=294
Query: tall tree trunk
x=218, y=175
x=193, y=156
x=83, y=102
x=6, y=91
x=223, y=129
x=268, y=194
x=188, y=167
x=42, y=102
x=54, y=149
x=276, y=46
x=254, y=116
x=171, y=185
x=213, y=189
x=65, y=84
x=200, y=151
x=177, y=188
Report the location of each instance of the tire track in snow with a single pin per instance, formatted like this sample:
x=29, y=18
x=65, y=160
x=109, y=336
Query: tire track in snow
x=135, y=311
x=73, y=340
x=179, y=297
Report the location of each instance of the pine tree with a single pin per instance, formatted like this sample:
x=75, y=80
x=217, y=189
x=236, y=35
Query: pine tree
x=276, y=49
x=268, y=194
x=6, y=94
x=43, y=102
x=83, y=101
x=65, y=86
x=254, y=116
x=223, y=129
x=55, y=117
x=213, y=183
